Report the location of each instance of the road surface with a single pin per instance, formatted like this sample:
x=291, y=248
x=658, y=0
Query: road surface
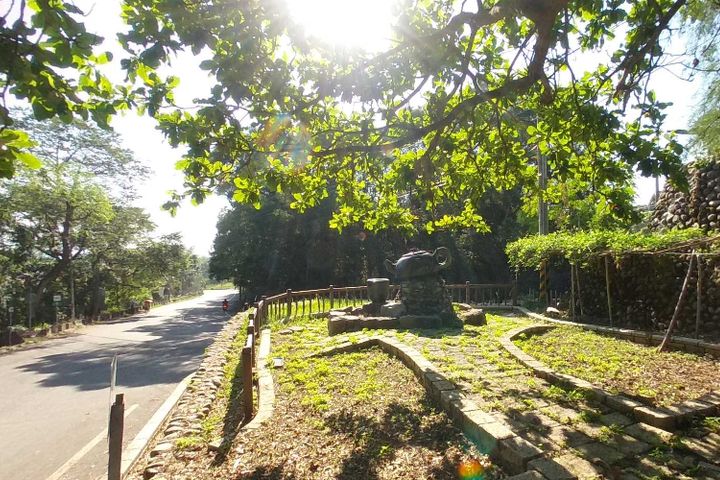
x=54, y=397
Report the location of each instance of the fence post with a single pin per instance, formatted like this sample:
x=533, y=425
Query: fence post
x=115, y=432
x=607, y=287
x=289, y=303
x=264, y=309
x=467, y=291
x=251, y=336
x=251, y=321
x=247, y=380
x=332, y=297
x=698, y=303
x=515, y=289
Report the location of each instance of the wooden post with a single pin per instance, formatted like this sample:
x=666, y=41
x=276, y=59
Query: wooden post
x=115, y=432
x=607, y=288
x=543, y=290
x=332, y=297
x=265, y=319
x=698, y=306
x=289, y=303
x=579, y=292
x=247, y=379
x=678, y=306
x=251, y=336
x=467, y=291
x=572, y=290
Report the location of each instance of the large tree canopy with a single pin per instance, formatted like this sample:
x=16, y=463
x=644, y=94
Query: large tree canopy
x=459, y=104
x=455, y=107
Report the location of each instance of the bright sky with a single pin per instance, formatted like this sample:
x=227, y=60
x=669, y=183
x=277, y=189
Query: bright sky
x=364, y=23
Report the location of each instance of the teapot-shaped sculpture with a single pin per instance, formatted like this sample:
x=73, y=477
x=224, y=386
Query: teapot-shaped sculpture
x=419, y=263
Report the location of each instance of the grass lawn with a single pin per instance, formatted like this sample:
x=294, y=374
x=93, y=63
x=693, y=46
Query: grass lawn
x=620, y=366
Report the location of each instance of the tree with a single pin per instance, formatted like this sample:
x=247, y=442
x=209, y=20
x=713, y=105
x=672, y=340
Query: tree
x=52, y=224
x=436, y=116
x=48, y=61
x=704, y=35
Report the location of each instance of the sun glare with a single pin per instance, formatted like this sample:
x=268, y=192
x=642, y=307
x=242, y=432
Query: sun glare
x=362, y=24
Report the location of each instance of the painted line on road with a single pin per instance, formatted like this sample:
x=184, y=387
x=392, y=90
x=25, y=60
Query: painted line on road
x=83, y=451
x=137, y=447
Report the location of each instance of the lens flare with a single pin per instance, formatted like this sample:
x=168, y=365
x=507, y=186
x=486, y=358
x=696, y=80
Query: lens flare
x=471, y=470
x=290, y=141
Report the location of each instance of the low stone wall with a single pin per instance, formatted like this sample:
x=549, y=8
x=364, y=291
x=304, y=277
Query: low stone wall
x=489, y=433
x=670, y=418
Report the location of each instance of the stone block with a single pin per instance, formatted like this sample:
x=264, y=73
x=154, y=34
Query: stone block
x=474, y=316
x=656, y=418
x=551, y=470
x=596, y=450
x=622, y=404
x=514, y=453
x=460, y=407
x=529, y=475
x=447, y=397
x=336, y=325
x=616, y=418
x=648, y=434
x=579, y=467
x=393, y=309
x=436, y=388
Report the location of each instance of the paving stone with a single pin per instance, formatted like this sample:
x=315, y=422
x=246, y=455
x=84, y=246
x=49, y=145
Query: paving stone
x=600, y=451
x=529, y=475
x=560, y=414
x=579, y=467
x=616, y=418
x=703, y=448
x=655, y=417
x=515, y=453
x=568, y=437
x=648, y=433
x=551, y=469
x=629, y=445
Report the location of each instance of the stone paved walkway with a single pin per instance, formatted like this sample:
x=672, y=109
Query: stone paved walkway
x=587, y=439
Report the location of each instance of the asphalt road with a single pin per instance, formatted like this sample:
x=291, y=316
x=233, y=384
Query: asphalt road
x=54, y=397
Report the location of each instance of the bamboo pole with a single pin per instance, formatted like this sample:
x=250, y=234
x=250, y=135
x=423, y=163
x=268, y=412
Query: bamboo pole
x=607, y=288
x=572, y=290
x=698, y=293
x=579, y=292
x=678, y=306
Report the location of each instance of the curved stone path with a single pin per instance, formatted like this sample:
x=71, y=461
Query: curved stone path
x=579, y=437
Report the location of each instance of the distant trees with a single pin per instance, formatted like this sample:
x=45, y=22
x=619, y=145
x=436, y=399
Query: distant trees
x=274, y=248
x=67, y=228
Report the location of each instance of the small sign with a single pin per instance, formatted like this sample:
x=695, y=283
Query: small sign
x=57, y=298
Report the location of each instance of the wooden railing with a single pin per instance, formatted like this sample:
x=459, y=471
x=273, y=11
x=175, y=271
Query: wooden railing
x=292, y=304
x=487, y=294
x=248, y=359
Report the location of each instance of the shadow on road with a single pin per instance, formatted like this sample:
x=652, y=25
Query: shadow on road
x=173, y=351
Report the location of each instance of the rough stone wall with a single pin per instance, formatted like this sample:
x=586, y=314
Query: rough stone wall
x=645, y=288
x=698, y=208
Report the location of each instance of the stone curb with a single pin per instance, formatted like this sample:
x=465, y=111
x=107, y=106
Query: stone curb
x=139, y=444
x=491, y=435
x=669, y=418
x=266, y=387
x=691, y=345
x=187, y=415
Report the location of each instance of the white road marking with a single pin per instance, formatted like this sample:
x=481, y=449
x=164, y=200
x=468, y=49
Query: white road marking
x=83, y=451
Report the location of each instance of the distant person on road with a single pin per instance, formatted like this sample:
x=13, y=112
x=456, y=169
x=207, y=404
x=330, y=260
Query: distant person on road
x=226, y=305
